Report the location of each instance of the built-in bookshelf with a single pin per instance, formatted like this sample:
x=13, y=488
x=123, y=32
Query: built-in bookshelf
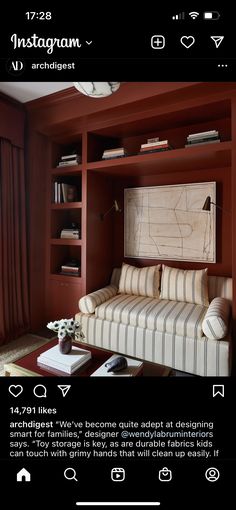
x=97, y=180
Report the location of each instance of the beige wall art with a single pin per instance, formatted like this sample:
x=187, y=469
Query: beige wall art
x=168, y=222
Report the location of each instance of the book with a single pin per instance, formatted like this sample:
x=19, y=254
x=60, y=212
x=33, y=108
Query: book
x=197, y=140
x=153, y=140
x=55, y=193
x=134, y=368
x=68, y=363
x=150, y=151
x=202, y=143
x=67, y=163
x=152, y=144
x=70, y=270
x=162, y=146
x=203, y=134
x=70, y=156
x=114, y=157
x=118, y=149
x=160, y=142
x=70, y=234
x=112, y=153
x=206, y=137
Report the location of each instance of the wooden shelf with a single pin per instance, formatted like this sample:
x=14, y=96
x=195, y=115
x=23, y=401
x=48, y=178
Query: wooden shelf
x=176, y=160
x=67, y=205
x=64, y=278
x=66, y=242
x=67, y=170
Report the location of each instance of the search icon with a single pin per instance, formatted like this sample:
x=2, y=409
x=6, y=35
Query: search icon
x=70, y=474
x=40, y=391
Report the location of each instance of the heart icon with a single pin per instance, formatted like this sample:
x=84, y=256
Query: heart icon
x=187, y=41
x=15, y=390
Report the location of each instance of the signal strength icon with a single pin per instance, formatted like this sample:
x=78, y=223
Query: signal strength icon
x=194, y=14
x=179, y=16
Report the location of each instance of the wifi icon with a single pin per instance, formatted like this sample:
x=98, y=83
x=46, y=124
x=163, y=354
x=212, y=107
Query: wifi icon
x=194, y=14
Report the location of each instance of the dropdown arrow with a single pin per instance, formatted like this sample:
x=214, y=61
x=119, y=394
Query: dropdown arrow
x=88, y=42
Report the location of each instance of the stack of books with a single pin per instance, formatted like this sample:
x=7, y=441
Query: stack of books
x=64, y=192
x=70, y=268
x=134, y=368
x=155, y=146
x=53, y=360
x=69, y=160
x=70, y=233
x=120, y=152
x=203, y=138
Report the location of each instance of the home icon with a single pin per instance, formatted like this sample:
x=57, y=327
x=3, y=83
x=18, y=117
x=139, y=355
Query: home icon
x=23, y=476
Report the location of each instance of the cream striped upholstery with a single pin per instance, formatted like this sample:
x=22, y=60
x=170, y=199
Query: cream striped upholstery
x=143, y=281
x=216, y=320
x=178, y=344
x=183, y=285
x=88, y=304
x=200, y=356
x=220, y=286
x=161, y=315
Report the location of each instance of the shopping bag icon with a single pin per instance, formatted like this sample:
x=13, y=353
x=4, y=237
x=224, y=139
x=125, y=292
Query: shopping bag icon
x=165, y=475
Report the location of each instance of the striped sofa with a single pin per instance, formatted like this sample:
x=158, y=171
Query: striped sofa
x=185, y=336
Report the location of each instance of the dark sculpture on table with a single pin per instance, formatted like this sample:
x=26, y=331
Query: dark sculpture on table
x=117, y=364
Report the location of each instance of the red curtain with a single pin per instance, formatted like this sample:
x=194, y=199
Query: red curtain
x=14, y=293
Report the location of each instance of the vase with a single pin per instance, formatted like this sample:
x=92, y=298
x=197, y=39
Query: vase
x=65, y=344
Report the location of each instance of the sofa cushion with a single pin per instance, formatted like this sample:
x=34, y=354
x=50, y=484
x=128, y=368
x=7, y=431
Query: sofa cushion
x=87, y=304
x=143, y=281
x=165, y=316
x=189, y=286
x=216, y=321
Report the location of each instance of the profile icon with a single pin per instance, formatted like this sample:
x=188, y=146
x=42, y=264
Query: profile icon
x=212, y=474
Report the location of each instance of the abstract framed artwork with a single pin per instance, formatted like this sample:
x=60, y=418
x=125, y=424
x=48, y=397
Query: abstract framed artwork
x=168, y=222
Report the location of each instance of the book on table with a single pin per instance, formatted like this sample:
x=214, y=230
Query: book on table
x=134, y=368
x=68, y=363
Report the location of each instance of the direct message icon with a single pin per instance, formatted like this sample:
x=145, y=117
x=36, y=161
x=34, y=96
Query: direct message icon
x=165, y=475
x=64, y=388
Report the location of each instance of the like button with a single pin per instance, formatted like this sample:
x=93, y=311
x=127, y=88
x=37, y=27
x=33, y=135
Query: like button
x=15, y=390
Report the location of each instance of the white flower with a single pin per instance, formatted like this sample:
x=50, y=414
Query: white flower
x=61, y=334
x=54, y=325
x=67, y=327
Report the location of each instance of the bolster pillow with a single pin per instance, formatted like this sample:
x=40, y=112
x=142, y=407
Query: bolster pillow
x=87, y=304
x=215, y=322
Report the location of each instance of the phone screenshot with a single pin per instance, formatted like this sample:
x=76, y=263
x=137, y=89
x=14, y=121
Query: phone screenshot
x=117, y=257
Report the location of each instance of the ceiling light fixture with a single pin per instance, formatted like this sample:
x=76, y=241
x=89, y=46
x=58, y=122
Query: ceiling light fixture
x=97, y=89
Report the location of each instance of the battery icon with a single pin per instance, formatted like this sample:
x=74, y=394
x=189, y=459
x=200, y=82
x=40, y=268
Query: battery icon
x=211, y=15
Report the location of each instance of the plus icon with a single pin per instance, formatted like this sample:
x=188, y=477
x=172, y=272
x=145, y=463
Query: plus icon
x=158, y=42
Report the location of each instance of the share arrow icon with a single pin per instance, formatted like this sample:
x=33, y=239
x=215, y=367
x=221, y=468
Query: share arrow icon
x=64, y=388
x=217, y=39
